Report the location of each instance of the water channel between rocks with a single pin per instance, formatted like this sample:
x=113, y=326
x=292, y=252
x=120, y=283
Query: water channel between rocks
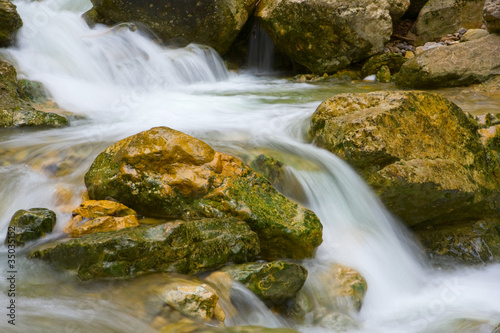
x=123, y=83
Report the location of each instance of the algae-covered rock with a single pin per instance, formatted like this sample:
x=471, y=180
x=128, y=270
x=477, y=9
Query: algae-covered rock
x=384, y=75
x=491, y=15
x=273, y=282
x=326, y=36
x=455, y=65
x=180, y=246
x=471, y=243
x=31, y=224
x=393, y=61
x=165, y=173
x=15, y=111
x=213, y=23
x=420, y=153
x=100, y=216
x=440, y=17
x=10, y=22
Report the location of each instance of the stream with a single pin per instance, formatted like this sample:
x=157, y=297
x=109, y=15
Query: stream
x=121, y=82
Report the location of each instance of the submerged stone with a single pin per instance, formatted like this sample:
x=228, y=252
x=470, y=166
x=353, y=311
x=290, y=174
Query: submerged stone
x=180, y=246
x=274, y=282
x=31, y=224
x=165, y=173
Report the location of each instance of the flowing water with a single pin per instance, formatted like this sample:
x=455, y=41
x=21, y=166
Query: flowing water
x=122, y=82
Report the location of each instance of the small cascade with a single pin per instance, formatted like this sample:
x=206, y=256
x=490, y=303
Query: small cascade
x=261, y=51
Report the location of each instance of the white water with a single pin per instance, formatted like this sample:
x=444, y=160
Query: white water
x=124, y=83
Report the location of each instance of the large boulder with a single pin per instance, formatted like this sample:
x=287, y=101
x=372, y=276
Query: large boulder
x=455, y=65
x=29, y=225
x=165, y=173
x=177, y=246
x=420, y=152
x=440, y=17
x=10, y=22
x=213, y=23
x=491, y=15
x=324, y=35
x=273, y=282
x=16, y=111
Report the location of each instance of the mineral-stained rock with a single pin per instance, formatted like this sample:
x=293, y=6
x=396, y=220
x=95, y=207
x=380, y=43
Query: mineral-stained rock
x=165, y=173
x=324, y=35
x=456, y=65
x=421, y=154
x=31, y=224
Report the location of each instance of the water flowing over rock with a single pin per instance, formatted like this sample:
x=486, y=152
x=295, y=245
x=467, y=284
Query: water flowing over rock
x=16, y=111
x=165, y=173
x=455, y=65
x=326, y=36
x=178, y=246
x=31, y=224
x=440, y=17
x=10, y=22
x=421, y=154
x=213, y=23
x=491, y=15
x=274, y=282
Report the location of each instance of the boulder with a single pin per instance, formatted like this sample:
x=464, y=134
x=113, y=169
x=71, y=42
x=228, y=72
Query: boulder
x=273, y=282
x=440, y=17
x=185, y=247
x=165, y=173
x=420, y=153
x=455, y=65
x=10, y=22
x=99, y=216
x=31, y=224
x=193, y=301
x=16, y=111
x=326, y=36
x=470, y=243
x=491, y=15
x=397, y=8
x=473, y=34
x=213, y=23
x=393, y=61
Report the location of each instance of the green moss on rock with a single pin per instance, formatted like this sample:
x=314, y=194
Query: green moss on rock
x=10, y=22
x=29, y=225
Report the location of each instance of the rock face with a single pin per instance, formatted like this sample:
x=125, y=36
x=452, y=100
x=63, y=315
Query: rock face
x=99, y=216
x=324, y=35
x=165, y=173
x=476, y=243
x=31, y=224
x=178, y=246
x=440, y=17
x=491, y=15
x=421, y=154
x=214, y=23
x=15, y=111
x=274, y=282
x=455, y=65
x=10, y=22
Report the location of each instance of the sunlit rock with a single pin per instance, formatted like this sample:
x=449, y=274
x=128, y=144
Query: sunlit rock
x=165, y=173
x=420, y=153
x=179, y=246
x=28, y=225
x=194, y=301
x=326, y=36
x=100, y=216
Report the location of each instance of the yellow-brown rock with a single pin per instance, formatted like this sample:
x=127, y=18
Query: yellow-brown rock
x=165, y=173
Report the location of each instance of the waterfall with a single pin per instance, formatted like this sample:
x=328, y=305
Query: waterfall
x=261, y=50
x=122, y=82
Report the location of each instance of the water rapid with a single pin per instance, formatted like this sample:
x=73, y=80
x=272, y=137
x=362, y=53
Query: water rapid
x=123, y=82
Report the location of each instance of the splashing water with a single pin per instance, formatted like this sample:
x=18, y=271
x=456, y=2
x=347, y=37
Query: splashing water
x=123, y=82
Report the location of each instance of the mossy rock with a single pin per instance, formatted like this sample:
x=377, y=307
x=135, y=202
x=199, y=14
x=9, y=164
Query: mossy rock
x=29, y=225
x=185, y=247
x=165, y=173
x=10, y=22
x=420, y=153
x=393, y=61
x=273, y=282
